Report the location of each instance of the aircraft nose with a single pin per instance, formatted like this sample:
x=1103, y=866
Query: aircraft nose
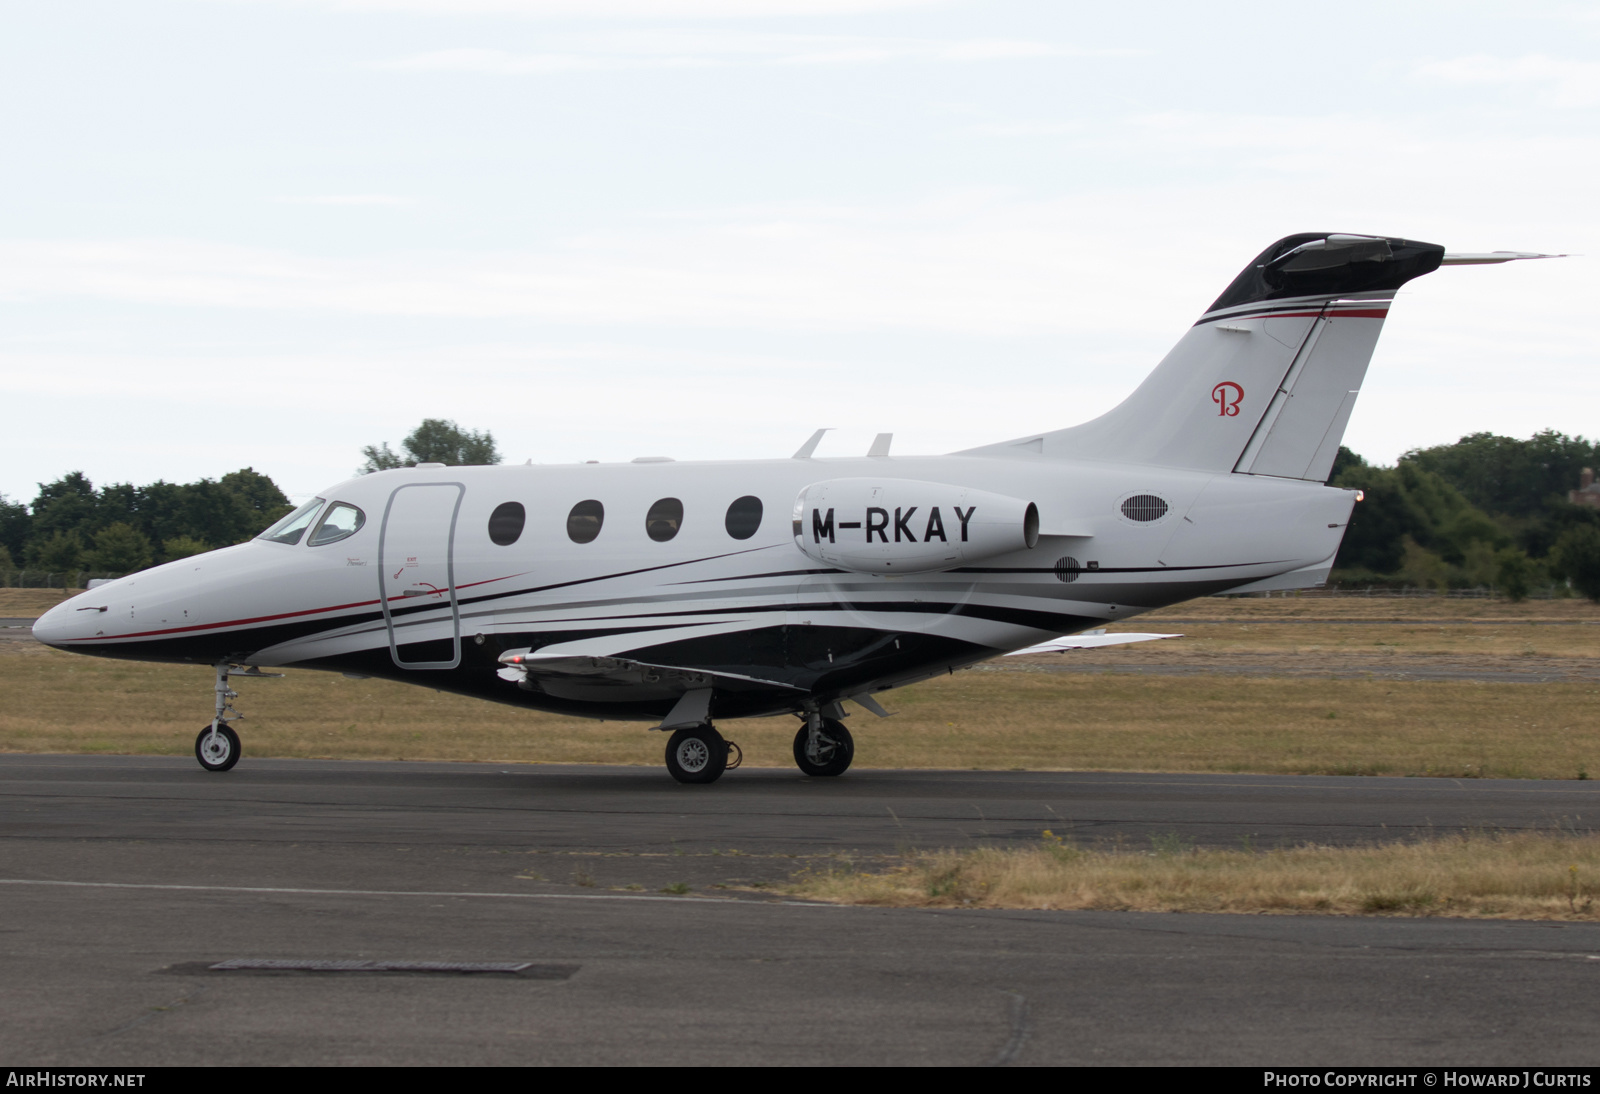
x=66, y=621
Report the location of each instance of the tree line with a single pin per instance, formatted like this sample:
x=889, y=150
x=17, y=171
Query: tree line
x=1484, y=511
x=120, y=527
x=72, y=525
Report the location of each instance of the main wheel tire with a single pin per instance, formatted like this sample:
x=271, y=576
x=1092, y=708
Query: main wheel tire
x=219, y=753
x=835, y=749
x=697, y=754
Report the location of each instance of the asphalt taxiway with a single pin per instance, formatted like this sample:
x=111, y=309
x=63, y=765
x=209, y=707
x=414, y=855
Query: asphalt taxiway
x=653, y=910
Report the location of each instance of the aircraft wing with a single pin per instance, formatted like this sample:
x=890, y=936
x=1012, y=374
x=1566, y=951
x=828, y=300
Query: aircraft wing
x=549, y=669
x=1088, y=641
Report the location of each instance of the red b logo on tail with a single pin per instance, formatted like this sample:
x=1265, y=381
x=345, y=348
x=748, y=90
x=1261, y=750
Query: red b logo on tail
x=1227, y=395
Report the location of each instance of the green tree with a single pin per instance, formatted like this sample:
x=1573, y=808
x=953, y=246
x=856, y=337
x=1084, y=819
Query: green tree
x=70, y=504
x=206, y=510
x=1343, y=460
x=1409, y=500
x=1513, y=573
x=1423, y=567
x=120, y=548
x=74, y=484
x=260, y=495
x=434, y=441
x=63, y=551
x=6, y=564
x=182, y=547
x=1506, y=475
x=1480, y=564
x=15, y=526
x=1576, y=557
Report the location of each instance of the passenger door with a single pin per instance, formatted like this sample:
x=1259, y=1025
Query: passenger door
x=416, y=575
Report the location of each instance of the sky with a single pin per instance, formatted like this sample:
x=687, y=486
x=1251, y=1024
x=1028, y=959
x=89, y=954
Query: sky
x=268, y=232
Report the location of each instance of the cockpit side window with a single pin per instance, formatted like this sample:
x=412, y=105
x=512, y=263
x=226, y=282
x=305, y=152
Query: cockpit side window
x=293, y=526
x=342, y=521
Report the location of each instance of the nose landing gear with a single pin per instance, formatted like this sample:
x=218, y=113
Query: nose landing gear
x=217, y=748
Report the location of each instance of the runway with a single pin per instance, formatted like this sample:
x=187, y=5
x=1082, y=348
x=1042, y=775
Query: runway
x=123, y=878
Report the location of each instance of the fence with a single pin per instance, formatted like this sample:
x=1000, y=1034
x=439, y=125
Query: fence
x=50, y=579
x=1419, y=592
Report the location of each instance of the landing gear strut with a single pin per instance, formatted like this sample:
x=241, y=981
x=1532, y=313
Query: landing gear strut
x=217, y=748
x=823, y=746
x=698, y=754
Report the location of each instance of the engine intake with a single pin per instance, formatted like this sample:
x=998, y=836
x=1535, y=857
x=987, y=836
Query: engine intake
x=902, y=526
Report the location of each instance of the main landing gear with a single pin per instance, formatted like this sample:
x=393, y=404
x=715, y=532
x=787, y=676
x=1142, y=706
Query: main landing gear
x=699, y=754
x=823, y=746
x=217, y=747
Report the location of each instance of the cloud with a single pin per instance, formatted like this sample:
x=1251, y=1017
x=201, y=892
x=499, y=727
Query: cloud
x=390, y=200
x=623, y=9
x=1101, y=261
x=1026, y=128
x=683, y=49
x=1564, y=83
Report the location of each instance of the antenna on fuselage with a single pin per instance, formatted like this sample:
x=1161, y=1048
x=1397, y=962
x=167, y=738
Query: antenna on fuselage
x=811, y=445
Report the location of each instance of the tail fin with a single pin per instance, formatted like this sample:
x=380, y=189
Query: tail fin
x=1264, y=382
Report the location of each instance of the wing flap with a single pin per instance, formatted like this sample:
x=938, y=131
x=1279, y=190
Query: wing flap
x=1092, y=640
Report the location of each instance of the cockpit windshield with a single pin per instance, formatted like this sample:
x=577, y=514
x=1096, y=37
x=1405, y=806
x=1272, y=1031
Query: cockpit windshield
x=293, y=526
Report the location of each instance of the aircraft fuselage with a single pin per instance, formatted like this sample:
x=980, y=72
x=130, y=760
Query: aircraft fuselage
x=782, y=630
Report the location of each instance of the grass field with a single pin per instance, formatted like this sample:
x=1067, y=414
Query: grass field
x=1325, y=693
x=1004, y=715
x=1549, y=875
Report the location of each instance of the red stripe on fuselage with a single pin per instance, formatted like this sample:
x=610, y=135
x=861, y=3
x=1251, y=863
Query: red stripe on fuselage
x=1334, y=313
x=270, y=618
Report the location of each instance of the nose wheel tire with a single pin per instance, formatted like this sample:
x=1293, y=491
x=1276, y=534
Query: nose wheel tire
x=834, y=750
x=219, y=752
x=697, y=754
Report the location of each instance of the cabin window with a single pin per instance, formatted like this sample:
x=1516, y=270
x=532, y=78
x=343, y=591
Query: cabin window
x=744, y=517
x=342, y=521
x=664, y=519
x=293, y=526
x=583, y=523
x=505, y=523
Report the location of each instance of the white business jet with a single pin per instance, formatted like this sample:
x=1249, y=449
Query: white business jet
x=680, y=593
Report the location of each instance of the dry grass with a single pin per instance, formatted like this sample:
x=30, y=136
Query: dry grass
x=1387, y=609
x=1007, y=714
x=32, y=602
x=1509, y=876
x=59, y=702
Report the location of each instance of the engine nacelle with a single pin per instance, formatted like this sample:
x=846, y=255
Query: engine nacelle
x=901, y=526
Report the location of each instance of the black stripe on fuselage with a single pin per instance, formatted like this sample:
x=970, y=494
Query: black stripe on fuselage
x=212, y=646
x=822, y=663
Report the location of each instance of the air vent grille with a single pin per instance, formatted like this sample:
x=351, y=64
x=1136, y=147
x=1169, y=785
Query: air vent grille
x=1144, y=507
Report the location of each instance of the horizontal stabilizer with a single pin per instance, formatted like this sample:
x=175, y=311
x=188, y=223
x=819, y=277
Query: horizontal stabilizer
x=1489, y=258
x=1091, y=640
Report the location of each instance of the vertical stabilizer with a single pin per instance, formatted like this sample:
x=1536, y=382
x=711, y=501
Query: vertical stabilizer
x=1265, y=381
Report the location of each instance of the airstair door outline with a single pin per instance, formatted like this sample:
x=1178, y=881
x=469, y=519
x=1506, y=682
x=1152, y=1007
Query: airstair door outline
x=416, y=574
